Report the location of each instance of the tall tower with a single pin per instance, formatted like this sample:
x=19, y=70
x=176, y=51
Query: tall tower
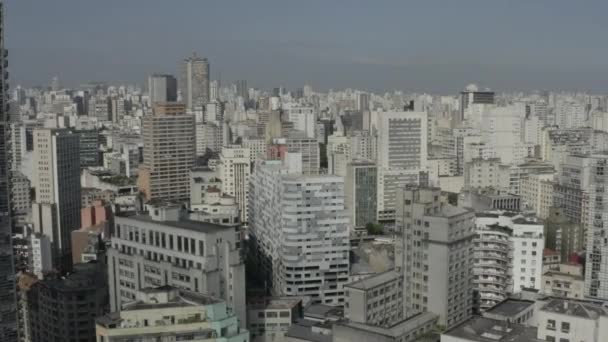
x=8, y=300
x=56, y=212
x=195, y=81
x=169, y=152
x=162, y=88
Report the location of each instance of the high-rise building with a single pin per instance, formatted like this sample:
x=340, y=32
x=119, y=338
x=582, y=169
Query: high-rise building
x=596, y=270
x=161, y=247
x=89, y=147
x=242, y=90
x=360, y=193
x=162, y=88
x=169, y=153
x=8, y=299
x=299, y=229
x=171, y=314
x=434, y=253
x=235, y=168
x=56, y=211
x=64, y=309
x=473, y=96
x=194, y=83
x=309, y=150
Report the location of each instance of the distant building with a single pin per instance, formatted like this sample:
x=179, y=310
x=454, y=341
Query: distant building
x=161, y=89
x=269, y=318
x=194, y=82
x=360, y=193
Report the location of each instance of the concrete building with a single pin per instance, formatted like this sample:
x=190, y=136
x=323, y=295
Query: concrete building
x=492, y=275
x=299, y=231
x=171, y=314
x=569, y=320
x=41, y=257
x=303, y=119
x=434, y=254
x=482, y=329
x=56, y=212
x=536, y=191
x=169, y=153
x=161, y=247
x=309, y=150
x=63, y=309
x=89, y=147
x=234, y=173
x=20, y=193
x=269, y=318
x=194, y=82
x=484, y=173
x=402, y=140
x=562, y=235
x=527, y=243
x=377, y=300
x=161, y=89
x=596, y=270
x=360, y=193
x=416, y=328
x=473, y=96
x=566, y=281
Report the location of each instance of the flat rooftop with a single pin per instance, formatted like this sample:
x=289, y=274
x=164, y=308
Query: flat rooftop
x=273, y=303
x=374, y=281
x=310, y=331
x=510, y=307
x=480, y=329
x=187, y=224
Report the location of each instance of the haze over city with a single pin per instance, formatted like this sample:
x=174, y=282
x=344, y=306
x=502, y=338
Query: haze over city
x=426, y=46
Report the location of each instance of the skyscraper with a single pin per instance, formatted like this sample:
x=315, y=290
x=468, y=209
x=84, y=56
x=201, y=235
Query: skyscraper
x=471, y=96
x=162, y=88
x=194, y=83
x=8, y=299
x=56, y=212
x=169, y=152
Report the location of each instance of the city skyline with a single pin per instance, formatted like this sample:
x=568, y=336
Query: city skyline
x=419, y=46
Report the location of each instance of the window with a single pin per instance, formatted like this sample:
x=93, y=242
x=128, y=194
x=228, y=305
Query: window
x=551, y=324
x=565, y=327
x=550, y=338
x=564, y=340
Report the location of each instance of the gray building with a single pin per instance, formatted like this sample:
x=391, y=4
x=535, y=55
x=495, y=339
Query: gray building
x=360, y=193
x=434, y=253
x=377, y=300
x=162, y=88
x=162, y=247
x=8, y=299
x=194, y=83
x=64, y=309
x=56, y=211
x=89, y=147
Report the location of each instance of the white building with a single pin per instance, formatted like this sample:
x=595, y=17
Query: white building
x=300, y=229
x=163, y=248
x=41, y=257
x=527, y=243
x=568, y=320
x=234, y=172
x=303, y=119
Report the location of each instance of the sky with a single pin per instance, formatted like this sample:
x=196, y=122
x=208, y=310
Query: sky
x=378, y=45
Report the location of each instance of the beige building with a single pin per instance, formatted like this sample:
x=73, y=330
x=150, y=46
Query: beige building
x=234, y=172
x=169, y=152
x=536, y=191
x=566, y=280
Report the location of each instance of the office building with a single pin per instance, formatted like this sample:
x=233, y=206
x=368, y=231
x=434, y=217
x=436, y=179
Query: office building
x=596, y=270
x=434, y=254
x=472, y=96
x=169, y=153
x=171, y=314
x=269, y=318
x=562, y=235
x=299, y=232
x=56, y=212
x=64, y=309
x=377, y=300
x=8, y=299
x=162, y=247
x=402, y=140
x=308, y=148
x=360, y=193
x=161, y=89
x=89, y=147
x=194, y=82
x=234, y=172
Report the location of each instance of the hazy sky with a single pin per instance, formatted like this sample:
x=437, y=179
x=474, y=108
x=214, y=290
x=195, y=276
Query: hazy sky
x=425, y=45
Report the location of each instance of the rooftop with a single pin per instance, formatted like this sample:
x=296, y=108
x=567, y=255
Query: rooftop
x=581, y=309
x=272, y=303
x=322, y=312
x=399, y=329
x=308, y=330
x=510, y=307
x=374, y=281
x=482, y=329
x=197, y=226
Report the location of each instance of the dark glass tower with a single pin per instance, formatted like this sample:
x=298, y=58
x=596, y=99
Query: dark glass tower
x=8, y=300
